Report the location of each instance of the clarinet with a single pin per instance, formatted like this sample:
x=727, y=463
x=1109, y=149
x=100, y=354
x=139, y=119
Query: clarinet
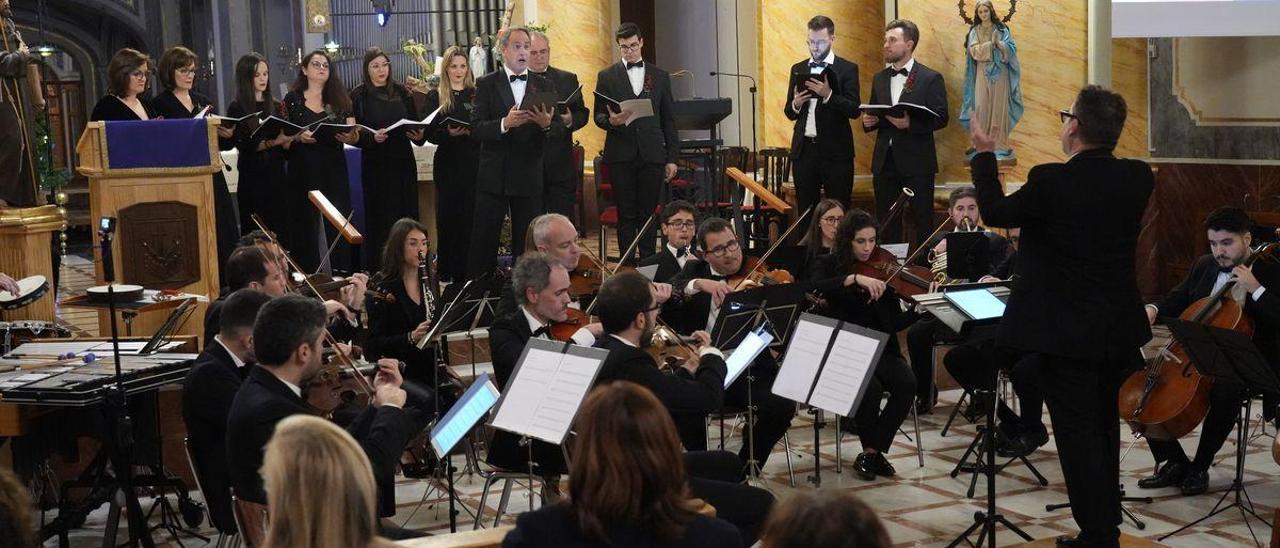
x=426, y=277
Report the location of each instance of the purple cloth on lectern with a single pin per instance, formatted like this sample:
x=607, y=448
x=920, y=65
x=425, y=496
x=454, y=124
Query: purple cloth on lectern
x=355, y=188
x=158, y=144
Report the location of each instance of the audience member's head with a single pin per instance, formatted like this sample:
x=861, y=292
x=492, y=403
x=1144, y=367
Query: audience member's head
x=320, y=488
x=254, y=268
x=635, y=474
x=832, y=518
x=16, y=524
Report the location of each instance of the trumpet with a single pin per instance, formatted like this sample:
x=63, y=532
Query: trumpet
x=938, y=260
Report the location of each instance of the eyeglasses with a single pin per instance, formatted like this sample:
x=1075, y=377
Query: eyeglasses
x=141, y=74
x=722, y=250
x=686, y=225
x=832, y=220
x=319, y=65
x=629, y=47
x=187, y=71
x=1065, y=115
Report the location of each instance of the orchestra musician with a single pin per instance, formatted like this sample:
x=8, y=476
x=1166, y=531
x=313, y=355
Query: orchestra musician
x=1076, y=304
x=287, y=339
x=1228, y=229
x=207, y=392
x=399, y=320
x=7, y=283
x=678, y=224
x=868, y=302
x=820, y=239
x=962, y=209
x=821, y=108
x=703, y=283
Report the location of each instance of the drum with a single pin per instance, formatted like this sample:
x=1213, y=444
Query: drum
x=30, y=289
x=17, y=332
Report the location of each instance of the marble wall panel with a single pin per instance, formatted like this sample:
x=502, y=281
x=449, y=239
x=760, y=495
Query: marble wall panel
x=581, y=43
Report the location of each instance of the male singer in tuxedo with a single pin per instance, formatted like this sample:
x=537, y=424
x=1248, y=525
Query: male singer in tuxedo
x=558, y=171
x=822, y=141
x=641, y=155
x=678, y=226
x=905, y=155
x=511, y=142
x=1076, y=307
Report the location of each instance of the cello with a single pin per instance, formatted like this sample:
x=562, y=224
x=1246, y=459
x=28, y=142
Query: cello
x=1169, y=398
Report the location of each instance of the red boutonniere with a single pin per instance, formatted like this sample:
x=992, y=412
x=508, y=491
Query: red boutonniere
x=648, y=84
x=910, y=83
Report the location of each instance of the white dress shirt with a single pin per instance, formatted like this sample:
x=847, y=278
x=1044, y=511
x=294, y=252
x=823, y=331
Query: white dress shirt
x=636, y=75
x=898, y=81
x=517, y=90
x=810, y=122
x=1221, y=280
x=675, y=252
x=234, y=358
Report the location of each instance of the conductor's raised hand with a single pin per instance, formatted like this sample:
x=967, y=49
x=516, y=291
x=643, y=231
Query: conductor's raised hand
x=980, y=140
x=515, y=117
x=617, y=117
x=542, y=116
x=819, y=87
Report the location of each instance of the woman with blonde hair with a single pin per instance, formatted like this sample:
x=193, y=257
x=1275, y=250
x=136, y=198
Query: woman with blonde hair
x=457, y=159
x=320, y=489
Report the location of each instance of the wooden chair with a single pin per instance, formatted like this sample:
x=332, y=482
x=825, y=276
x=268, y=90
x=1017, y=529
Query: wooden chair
x=224, y=538
x=251, y=520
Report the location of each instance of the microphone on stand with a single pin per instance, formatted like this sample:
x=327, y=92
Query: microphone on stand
x=747, y=76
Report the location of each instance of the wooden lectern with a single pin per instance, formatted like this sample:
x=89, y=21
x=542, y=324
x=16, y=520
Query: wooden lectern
x=26, y=250
x=156, y=179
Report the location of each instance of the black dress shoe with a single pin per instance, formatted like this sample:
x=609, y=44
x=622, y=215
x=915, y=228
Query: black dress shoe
x=1065, y=540
x=1023, y=445
x=1169, y=475
x=864, y=466
x=1076, y=541
x=881, y=466
x=1196, y=483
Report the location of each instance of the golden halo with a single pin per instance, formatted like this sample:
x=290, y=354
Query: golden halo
x=1013, y=7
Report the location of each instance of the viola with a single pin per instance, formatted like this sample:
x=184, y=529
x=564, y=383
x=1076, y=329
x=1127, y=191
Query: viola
x=757, y=274
x=336, y=383
x=671, y=350
x=575, y=319
x=1169, y=398
x=907, y=281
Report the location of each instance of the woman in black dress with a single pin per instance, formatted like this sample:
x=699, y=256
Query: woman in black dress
x=397, y=319
x=390, y=173
x=262, y=157
x=869, y=303
x=317, y=164
x=177, y=74
x=456, y=160
x=127, y=76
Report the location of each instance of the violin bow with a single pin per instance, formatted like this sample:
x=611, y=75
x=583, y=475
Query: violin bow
x=345, y=358
x=636, y=241
x=774, y=247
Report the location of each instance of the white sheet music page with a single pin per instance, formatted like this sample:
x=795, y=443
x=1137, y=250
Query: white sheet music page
x=543, y=398
x=525, y=391
x=803, y=358
x=851, y=360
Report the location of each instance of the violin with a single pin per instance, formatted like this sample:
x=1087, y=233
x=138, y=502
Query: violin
x=759, y=274
x=671, y=350
x=907, y=281
x=336, y=384
x=586, y=277
x=1169, y=398
x=575, y=319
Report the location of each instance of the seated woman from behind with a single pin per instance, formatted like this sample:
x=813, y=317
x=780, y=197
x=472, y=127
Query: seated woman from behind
x=320, y=491
x=831, y=519
x=626, y=482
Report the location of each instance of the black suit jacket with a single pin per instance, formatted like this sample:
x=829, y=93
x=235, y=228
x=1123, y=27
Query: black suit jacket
x=651, y=140
x=556, y=527
x=557, y=154
x=1076, y=294
x=507, y=336
x=511, y=162
x=835, y=135
x=682, y=393
x=264, y=400
x=914, y=152
x=207, y=392
x=389, y=326
x=1264, y=312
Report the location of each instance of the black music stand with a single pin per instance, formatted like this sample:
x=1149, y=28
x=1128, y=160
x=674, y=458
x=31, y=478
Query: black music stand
x=1231, y=356
x=701, y=114
x=968, y=254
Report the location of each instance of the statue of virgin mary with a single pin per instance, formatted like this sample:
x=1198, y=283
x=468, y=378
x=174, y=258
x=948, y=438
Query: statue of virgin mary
x=992, y=94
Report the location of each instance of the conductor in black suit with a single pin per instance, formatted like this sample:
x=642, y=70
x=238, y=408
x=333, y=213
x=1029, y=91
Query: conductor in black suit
x=511, y=144
x=207, y=392
x=905, y=156
x=287, y=338
x=822, y=141
x=559, y=174
x=1076, y=303
x=641, y=155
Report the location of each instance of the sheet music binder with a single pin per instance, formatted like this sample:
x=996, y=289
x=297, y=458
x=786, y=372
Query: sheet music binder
x=469, y=409
x=804, y=379
x=546, y=389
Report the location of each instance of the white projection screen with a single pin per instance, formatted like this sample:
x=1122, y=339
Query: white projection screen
x=1180, y=18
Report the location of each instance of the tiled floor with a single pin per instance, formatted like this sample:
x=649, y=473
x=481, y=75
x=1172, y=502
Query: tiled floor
x=923, y=506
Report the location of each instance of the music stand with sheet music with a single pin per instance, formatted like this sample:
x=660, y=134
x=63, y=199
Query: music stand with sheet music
x=828, y=365
x=1228, y=355
x=968, y=255
x=544, y=393
x=773, y=308
x=476, y=312
x=455, y=425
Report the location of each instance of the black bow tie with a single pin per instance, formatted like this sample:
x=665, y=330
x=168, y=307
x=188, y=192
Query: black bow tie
x=817, y=64
x=901, y=71
x=524, y=77
x=682, y=252
x=544, y=330
x=1226, y=269
x=637, y=64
